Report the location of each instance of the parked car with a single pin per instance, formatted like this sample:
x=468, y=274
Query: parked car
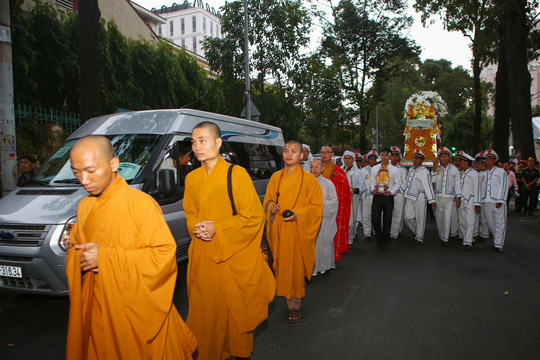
x=36, y=220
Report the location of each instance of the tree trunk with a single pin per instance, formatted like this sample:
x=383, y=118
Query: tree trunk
x=477, y=121
x=520, y=86
x=501, y=130
x=90, y=69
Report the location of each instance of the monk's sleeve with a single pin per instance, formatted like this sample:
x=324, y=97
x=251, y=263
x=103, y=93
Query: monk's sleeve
x=271, y=194
x=331, y=204
x=190, y=205
x=236, y=232
x=309, y=216
x=148, y=269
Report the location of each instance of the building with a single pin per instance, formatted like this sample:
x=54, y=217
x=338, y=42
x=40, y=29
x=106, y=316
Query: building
x=188, y=24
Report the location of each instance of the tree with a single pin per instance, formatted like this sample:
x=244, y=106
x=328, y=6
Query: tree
x=279, y=31
x=520, y=15
x=468, y=17
x=362, y=38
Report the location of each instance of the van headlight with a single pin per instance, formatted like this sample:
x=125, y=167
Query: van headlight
x=63, y=242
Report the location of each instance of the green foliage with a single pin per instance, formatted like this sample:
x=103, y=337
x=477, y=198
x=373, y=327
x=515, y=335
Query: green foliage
x=459, y=132
x=35, y=139
x=135, y=74
x=363, y=38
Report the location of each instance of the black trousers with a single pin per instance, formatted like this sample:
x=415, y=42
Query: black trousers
x=382, y=205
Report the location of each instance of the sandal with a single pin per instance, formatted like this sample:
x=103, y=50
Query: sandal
x=294, y=316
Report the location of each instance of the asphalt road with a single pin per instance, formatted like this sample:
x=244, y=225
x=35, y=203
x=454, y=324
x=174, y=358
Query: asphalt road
x=414, y=302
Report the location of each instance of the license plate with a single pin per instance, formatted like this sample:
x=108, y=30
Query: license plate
x=10, y=271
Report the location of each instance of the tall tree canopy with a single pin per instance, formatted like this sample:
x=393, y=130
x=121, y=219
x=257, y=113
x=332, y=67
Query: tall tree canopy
x=363, y=36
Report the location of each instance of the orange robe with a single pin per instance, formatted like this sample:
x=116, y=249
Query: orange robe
x=125, y=310
x=343, y=190
x=229, y=283
x=293, y=243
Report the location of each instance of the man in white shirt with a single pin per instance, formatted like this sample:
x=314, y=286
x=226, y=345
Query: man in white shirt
x=481, y=232
x=366, y=197
x=494, y=200
x=418, y=190
x=353, y=175
x=446, y=185
x=467, y=202
x=385, y=183
x=399, y=198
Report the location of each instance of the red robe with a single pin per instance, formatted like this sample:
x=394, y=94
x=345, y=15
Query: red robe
x=343, y=190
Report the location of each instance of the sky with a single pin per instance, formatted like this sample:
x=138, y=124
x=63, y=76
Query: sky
x=436, y=43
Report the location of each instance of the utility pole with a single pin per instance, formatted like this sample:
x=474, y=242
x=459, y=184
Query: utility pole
x=8, y=153
x=246, y=50
x=377, y=124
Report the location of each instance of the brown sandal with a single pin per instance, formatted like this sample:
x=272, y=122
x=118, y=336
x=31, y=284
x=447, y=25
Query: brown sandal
x=294, y=316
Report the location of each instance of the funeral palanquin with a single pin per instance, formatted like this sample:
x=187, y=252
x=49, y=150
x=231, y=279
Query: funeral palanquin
x=423, y=111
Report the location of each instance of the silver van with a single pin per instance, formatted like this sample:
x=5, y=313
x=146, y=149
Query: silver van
x=35, y=220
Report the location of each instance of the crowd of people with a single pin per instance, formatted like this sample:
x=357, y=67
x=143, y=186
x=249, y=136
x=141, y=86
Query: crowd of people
x=122, y=271
x=468, y=196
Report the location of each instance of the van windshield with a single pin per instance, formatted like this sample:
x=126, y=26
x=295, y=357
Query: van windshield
x=133, y=150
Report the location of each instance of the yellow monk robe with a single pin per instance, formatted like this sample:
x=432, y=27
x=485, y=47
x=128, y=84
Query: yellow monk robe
x=293, y=243
x=229, y=283
x=125, y=310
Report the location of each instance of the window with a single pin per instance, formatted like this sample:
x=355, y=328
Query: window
x=159, y=30
x=217, y=30
x=204, y=25
x=211, y=28
x=260, y=161
x=195, y=45
x=182, y=26
x=194, y=21
x=171, y=30
x=183, y=42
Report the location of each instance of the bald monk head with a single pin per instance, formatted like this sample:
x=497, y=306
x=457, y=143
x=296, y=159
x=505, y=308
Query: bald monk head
x=94, y=164
x=292, y=152
x=326, y=154
x=206, y=142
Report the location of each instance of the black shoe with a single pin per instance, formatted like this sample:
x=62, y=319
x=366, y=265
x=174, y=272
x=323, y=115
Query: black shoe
x=367, y=239
x=467, y=247
x=445, y=243
x=499, y=250
x=351, y=246
x=417, y=242
x=481, y=239
x=384, y=247
x=393, y=240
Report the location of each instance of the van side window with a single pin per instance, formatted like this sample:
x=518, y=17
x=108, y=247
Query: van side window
x=180, y=160
x=260, y=161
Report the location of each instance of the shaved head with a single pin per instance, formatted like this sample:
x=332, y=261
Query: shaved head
x=214, y=130
x=295, y=143
x=98, y=143
x=316, y=160
x=94, y=164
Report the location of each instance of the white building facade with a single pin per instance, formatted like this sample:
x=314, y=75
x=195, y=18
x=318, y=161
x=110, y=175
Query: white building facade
x=188, y=24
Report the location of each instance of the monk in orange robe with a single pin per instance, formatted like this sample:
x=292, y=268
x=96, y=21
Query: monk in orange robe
x=339, y=179
x=229, y=283
x=292, y=237
x=121, y=244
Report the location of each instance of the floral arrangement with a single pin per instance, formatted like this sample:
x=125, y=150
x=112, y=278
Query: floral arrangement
x=425, y=104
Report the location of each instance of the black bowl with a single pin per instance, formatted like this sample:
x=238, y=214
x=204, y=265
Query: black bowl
x=287, y=213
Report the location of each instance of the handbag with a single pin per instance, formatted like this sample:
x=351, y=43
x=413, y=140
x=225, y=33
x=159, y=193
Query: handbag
x=265, y=246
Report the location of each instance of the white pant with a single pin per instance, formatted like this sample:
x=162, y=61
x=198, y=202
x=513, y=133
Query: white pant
x=496, y=222
x=397, y=215
x=480, y=225
x=455, y=230
x=355, y=204
x=467, y=218
x=443, y=216
x=366, y=214
x=414, y=216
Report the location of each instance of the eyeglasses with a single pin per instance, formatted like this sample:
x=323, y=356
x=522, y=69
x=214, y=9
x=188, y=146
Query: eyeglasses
x=327, y=152
x=315, y=167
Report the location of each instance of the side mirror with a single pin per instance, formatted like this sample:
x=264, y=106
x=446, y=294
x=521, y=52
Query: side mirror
x=166, y=182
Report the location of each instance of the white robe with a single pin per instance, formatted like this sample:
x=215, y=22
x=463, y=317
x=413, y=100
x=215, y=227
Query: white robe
x=324, y=247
